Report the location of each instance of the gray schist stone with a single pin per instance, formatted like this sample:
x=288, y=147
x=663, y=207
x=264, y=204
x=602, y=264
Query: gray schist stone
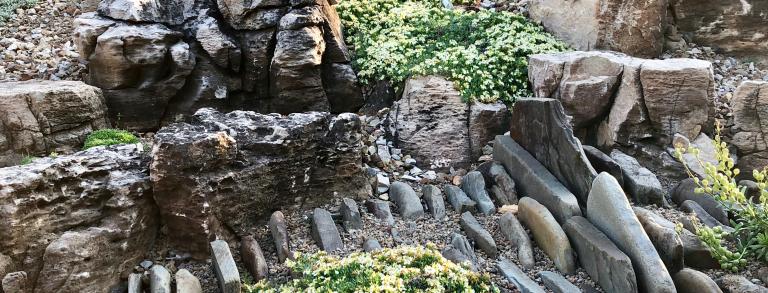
x=541, y=127
x=434, y=200
x=557, y=283
x=408, y=203
x=602, y=260
x=476, y=232
x=523, y=283
x=279, y=230
x=662, y=233
x=225, y=267
x=548, y=234
x=462, y=244
x=380, y=209
x=512, y=230
x=253, y=257
x=350, y=213
x=473, y=184
x=739, y=284
x=603, y=163
x=686, y=190
x=609, y=210
x=159, y=280
x=640, y=182
x=371, y=245
x=502, y=188
x=705, y=218
x=134, y=283
x=456, y=256
x=324, y=231
x=16, y=282
x=459, y=200
x=692, y=281
x=534, y=180
x=187, y=283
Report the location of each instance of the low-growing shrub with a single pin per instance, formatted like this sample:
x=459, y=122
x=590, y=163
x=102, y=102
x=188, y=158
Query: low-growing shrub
x=483, y=52
x=109, y=137
x=750, y=218
x=402, y=269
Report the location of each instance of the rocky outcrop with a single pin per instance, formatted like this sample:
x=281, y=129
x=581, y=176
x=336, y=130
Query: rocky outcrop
x=736, y=28
x=750, y=107
x=158, y=62
x=78, y=223
x=633, y=27
x=221, y=172
x=40, y=117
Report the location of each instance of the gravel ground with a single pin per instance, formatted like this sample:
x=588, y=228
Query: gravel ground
x=37, y=43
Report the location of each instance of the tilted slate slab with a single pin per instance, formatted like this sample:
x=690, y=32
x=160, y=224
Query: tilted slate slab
x=225, y=267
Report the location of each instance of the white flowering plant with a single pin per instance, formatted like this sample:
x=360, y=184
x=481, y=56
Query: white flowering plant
x=402, y=269
x=485, y=53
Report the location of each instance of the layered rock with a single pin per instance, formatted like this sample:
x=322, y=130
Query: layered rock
x=78, y=223
x=750, y=105
x=182, y=55
x=222, y=172
x=39, y=117
x=635, y=27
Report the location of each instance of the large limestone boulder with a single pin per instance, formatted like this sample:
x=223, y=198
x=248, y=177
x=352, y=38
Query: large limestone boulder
x=39, y=117
x=224, y=172
x=736, y=28
x=78, y=223
x=182, y=55
x=634, y=27
x=541, y=127
x=750, y=105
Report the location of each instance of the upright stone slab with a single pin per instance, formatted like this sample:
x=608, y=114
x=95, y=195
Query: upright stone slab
x=159, y=280
x=380, y=209
x=535, y=180
x=459, y=200
x=187, y=283
x=603, y=261
x=604, y=163
x=503, y=189
x=686, y=190
x=473, y=184
x=134, y=283
x=324, y=231
x=225, y=267
x=609, y=210
x=434, y=200
x=253, y=257
x=408, y=203
x=279, y=230
x=548, y=234
x=512, y=230
x=541, y=127
x=477, y=232
x=515, y=275
x=665, y=238
x=557, y=283
x=750, y=105
x=693, y=281
x=351, y=214
x=640, y=182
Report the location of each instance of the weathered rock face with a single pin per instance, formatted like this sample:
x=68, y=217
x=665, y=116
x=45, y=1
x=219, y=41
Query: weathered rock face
x=540, y=126
x=39, y=117
x=78, y=223
x=224, y=171
x=750, y=106
x=159, y=62
x=737, y=28
x=633, y=27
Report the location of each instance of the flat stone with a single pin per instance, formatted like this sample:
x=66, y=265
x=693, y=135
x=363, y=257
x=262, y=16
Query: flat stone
x=477, y=232
x=541, y=127
x=434, y=200
x=692, y=281
x=534, y=180
x=351, y=215
x=17, y=282
x=513, y=273
x=461, y=243
x=664, y=237
x=548, y=234
x=640, y=182
x=225, y=267
x=502, y=185
x=557, y=283
x=134, y=283
x=159, y=280
x=459, y=200
x=604, y=163
x=705, y=218
x=380, y=209
x=686, y=190
x=279, y=230
x=613, y=215
x=599, y=256
x=187, y=283
x=739, y=284
x=253, y=257
x=407, y=201
x=324, y=231
x=512, y=230
x=473, y=184
x=371, y=245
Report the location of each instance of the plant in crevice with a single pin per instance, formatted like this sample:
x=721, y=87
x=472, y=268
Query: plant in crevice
x=106, y=137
